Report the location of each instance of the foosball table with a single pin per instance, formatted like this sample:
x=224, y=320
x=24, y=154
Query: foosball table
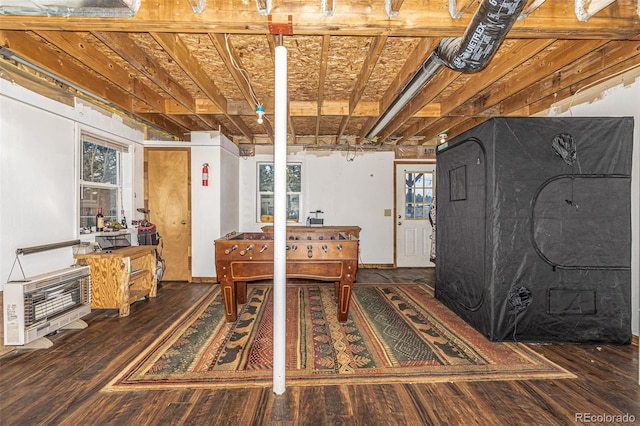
x=324, y=256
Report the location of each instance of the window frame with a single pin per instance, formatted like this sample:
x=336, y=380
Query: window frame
x=260, y=193
x=112, y=211
x=425, y=207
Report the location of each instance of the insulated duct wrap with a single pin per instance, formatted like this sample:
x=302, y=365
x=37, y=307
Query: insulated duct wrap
x=485, y=33
x=470, y=53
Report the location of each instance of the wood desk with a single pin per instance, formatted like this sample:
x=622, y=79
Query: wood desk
x=122, y=276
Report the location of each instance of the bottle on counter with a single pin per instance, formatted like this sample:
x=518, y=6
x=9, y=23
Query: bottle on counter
x=99, y=220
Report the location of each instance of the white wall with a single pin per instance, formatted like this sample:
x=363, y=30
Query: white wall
x=619, y=97
x=348, y=192
x=39, y=151
x=39, y=159
x=214, y=208
x=229, y=201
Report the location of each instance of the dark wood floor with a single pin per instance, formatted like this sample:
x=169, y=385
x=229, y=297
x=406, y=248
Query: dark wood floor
x=62, y=385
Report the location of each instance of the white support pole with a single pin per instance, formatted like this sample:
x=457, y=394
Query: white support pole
x=280, y=220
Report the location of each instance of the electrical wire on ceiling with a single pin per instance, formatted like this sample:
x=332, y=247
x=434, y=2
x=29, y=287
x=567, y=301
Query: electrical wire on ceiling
x=352, y=150
x=242, y=72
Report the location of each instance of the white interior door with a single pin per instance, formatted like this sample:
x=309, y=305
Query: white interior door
x=415, y=189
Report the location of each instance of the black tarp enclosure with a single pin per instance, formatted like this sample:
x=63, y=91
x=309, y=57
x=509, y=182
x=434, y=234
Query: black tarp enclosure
x=533, y=235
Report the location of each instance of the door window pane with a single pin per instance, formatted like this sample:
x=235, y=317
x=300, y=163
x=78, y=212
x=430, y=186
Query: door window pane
x=418, y=195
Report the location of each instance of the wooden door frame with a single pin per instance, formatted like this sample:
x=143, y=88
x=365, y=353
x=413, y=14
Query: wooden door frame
x=146, y=188
x=396, y=163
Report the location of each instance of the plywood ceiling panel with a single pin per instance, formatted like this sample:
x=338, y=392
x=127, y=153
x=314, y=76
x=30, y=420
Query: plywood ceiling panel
x=172, y=69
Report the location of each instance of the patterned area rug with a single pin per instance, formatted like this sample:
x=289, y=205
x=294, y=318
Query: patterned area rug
x=394, y=334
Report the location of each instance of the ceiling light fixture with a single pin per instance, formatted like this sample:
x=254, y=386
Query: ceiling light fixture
x=260, y=112
x=443, y=137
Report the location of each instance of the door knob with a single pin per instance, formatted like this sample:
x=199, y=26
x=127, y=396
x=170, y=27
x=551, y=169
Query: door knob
x=184, y=222
x=399, y=223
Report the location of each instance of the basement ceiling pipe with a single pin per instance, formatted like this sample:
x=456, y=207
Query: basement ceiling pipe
x=68, y=8
x=469, y=53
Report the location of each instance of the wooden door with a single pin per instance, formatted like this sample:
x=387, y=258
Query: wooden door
x=167, y=196
x=415, y=188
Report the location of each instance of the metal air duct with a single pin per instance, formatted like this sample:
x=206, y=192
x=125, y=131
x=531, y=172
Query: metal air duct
x=88, y=8
x=469, y=53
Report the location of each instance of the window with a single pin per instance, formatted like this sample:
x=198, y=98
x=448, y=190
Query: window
x=100, y=179
x=265, y=191
x=418, y=190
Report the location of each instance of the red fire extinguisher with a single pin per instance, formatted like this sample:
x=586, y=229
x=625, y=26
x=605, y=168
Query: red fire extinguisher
x=205, y=174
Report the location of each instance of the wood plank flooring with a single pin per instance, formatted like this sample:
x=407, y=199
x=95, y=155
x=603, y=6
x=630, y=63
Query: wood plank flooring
x=62, y=385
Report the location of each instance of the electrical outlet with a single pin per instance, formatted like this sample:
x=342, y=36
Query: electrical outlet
x=387, y=212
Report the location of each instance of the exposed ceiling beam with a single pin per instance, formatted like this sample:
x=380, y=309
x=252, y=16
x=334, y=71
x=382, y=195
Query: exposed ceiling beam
x=580, y=70
x=375, y=49
x=322, y=75
x=178, y=51
x=229, y=57
x=456, y=11
x=355, y=18
x=125, y=46
x=62, y=65
x=420, y=53
x=579, y=75
x=296, y=108
x=76, y=45
x=344, y=70
x=439, y=82
x=565, y=53
x=530, y=8
x=513, y=54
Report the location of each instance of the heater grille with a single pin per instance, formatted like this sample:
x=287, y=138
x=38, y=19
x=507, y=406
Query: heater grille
x=51, y=300
x=41, y=305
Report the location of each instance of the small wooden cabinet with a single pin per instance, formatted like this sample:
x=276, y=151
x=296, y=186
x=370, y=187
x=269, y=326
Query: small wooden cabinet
x=120, y=277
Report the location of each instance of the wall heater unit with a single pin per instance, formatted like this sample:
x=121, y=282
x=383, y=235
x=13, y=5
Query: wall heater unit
x=40, y=305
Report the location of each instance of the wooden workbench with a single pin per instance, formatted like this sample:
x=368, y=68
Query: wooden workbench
x=122, y=276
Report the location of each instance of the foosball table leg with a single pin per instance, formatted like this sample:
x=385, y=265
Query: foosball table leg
x=229, y=300
x=344, y=300
x=241, y=292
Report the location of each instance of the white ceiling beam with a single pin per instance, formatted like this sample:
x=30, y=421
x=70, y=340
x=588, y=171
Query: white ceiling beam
x=198, y=5
x=265, y=9
x=389, y=8
x=532, y=7
x=585, y=9
x=328, y=12
x=457, y=13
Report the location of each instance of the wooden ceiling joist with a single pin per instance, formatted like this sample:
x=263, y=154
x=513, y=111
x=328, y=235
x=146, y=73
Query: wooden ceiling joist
x=356, y=18
x=175, y=69
x=324, y=53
